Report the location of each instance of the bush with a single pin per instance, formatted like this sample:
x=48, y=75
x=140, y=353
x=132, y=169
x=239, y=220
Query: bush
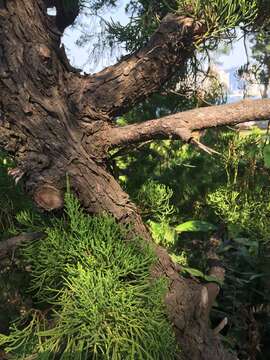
x=95, y=297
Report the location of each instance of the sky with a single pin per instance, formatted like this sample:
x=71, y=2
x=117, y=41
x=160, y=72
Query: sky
x=237, y=55
x=79, y=56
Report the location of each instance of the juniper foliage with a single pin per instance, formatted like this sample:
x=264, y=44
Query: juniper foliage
x=94, y=297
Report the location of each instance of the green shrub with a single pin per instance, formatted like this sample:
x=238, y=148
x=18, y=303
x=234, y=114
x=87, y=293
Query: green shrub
x=154, y=200
x=245, y=214
x=95, y=297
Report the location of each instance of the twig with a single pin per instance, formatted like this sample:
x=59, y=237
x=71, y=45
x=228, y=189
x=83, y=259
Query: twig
x=126, y=150
x=203, y=147
x=266, y=134
x=220, y=326
x=216, y=269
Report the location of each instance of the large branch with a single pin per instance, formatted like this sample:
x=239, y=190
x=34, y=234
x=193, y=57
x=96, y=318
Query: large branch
x=181, y=125
x=67, y=11
x=118, y=87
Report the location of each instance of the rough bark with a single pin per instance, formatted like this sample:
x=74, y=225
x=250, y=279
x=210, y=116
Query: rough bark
x=56, y=122
x=118, y=87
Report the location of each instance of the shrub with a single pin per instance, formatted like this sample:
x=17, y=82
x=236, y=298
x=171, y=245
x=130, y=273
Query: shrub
x=95, y=297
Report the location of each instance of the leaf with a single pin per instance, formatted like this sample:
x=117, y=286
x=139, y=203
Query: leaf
x=266, y=156
x=194, y=272
x=241, y=241
x=225, y=248
x=234, y=230
x=195, y=225
x=162, y=233
x=214, y=279
x=198, y=273
x=256, y=276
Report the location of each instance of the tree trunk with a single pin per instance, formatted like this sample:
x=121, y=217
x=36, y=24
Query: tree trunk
x=57, y=123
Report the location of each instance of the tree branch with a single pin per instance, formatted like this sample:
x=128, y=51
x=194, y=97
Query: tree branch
x=210, y=291
x=7, y=245
x=118, y=87
x=67, y=11
x=181, y=125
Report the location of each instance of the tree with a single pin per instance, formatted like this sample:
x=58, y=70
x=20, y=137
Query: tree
x=55, y=121
x=260, y=53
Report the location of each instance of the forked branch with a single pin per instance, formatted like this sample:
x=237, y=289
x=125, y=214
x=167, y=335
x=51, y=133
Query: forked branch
x=115, y=89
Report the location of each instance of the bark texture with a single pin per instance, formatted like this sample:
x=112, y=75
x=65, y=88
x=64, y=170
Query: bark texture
x=57, y=122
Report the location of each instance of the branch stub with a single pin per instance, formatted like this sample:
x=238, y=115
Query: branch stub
x=48, y=197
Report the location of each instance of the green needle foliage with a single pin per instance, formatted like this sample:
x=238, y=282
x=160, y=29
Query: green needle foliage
x=218, y=16
x=154, y=201
x=94, y=295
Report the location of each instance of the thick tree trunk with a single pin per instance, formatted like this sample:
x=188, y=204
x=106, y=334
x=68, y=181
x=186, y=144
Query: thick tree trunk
x=56, y=122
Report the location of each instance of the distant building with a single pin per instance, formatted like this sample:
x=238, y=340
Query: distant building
x=238, y=88
x=247, y=85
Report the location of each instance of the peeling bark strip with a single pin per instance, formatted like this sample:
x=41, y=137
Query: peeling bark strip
x=57, y=122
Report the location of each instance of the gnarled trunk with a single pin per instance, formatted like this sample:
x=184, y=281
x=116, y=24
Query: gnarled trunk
x=57, y=123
